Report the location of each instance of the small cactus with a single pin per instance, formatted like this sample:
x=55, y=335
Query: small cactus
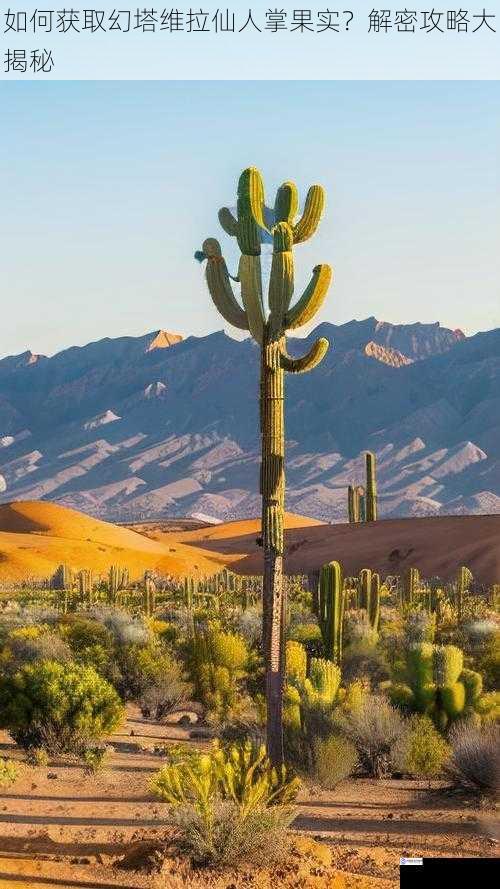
x=331, y=610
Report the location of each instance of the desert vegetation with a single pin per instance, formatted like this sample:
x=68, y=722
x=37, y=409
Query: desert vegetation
x=286, y=684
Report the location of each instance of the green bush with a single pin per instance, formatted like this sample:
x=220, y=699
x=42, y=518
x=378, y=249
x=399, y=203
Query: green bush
x=217, y=662
x=422, y=752
x=335, y=759
x=95, y=757
x=59, y=707
x=229, y=804
x=9, y=772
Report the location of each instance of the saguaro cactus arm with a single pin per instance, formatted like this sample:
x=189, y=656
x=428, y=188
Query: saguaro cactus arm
x=219, y=285
x=308, y=362
x=250, y=276
x=312, y=299
x=286, y=204
x=313, y=210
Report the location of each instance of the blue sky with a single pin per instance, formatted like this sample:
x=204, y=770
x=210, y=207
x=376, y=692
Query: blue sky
x=109, y=187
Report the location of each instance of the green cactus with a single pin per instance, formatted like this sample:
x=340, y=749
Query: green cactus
x=331, y=610
x=361, y=498
x=62, y=578
x=411, y=586
x=296, y=662
x=438, y=685
x=268, y=325
x=352, y=504
x=371, y=487
x=323, y=682
x=462, y=584
x=374, y=605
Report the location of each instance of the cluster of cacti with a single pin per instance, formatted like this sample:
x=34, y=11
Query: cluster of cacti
x=330, y=610
x=437, y=684
x=410, y=586
x=254, y=223
x=62, y=578
x=316, y=686
x=86, y=584
x=118, y=579
x=362, y=501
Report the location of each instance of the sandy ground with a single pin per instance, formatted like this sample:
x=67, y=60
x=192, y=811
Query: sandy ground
x=37, y=536
x=60, y=828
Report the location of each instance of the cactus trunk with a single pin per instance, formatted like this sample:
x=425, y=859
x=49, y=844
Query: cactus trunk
x=273, y=507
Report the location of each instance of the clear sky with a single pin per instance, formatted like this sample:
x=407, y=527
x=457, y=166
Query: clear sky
x=107, y=188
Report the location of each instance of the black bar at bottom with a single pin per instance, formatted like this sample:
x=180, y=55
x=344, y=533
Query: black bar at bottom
x=430, y=873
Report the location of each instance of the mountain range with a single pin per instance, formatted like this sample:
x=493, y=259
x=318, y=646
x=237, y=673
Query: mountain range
x=133, y=428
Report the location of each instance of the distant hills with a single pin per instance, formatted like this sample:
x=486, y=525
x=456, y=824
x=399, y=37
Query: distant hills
x=134, y=428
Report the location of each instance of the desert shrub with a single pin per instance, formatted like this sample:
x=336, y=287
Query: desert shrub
x=37, y=756
x=228, y=804
x=479, y=634
x=9, y=772
x=335, y=759
x=61, y=707
x=474, y=764
x=224, y=837
x=422, y=751
x=248, y=624
x=374, y=728
x=309, y=635
x=140, y=666
x=489, y=665
x=125, y=628
x=217, y=662
x=95, y=757
x=166, y=689
x=357, y=628
x=364, y=661
x=419, y=626
x=27, y=648
x=81, y=633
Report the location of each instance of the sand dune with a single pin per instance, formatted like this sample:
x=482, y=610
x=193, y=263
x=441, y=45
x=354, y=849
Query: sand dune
x=36, y=536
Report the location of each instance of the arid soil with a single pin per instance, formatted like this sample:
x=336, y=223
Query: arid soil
x=61, y=828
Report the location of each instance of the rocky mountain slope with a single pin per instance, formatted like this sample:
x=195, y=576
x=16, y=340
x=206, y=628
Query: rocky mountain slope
x=142, y=427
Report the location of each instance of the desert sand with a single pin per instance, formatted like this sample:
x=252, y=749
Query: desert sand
x=37, y=536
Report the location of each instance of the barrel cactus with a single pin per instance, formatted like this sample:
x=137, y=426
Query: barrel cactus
x=268, y=324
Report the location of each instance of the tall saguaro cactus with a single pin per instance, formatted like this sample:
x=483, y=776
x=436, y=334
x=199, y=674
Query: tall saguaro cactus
x=268, y=324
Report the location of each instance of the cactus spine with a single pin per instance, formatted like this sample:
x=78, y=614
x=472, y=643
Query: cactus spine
x=331, y=610
x=371, y=487
x=268, y=326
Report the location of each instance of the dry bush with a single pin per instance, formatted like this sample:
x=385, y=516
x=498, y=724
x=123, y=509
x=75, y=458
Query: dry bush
x=474, y=765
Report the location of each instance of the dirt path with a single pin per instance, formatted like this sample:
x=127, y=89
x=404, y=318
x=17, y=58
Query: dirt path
x=60, y=828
